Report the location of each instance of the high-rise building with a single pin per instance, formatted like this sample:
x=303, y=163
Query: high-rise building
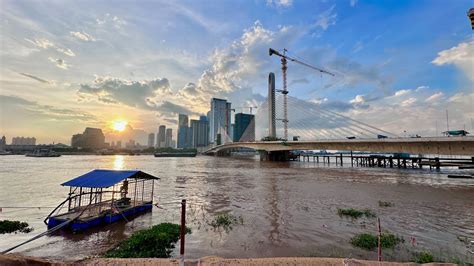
x=151, y=140
x=23, y=141
x=92, y=138
x=219, y=120
x=182, y=131
x=168, y=137
x=3, y=143
x=271, y=106
x=161, y=137
x=200, y=132
x=244, y=129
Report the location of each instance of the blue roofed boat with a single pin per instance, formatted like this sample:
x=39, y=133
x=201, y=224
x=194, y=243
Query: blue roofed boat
x=102, y=197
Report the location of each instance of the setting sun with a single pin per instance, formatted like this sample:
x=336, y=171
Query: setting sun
x=119, y=125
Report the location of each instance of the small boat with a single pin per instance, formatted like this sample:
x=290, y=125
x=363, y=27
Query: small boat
x=103, y=197
x=43, y=153
x=176, y=154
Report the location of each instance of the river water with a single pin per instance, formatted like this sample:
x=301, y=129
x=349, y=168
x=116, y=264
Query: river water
x=288, y=208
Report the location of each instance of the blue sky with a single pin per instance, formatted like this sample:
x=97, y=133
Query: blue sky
x=69, y=64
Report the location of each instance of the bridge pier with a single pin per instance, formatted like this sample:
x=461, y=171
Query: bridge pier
x=279, y=156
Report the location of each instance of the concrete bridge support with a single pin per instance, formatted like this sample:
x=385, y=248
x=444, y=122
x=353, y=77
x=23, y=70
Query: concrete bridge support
x=280, y=156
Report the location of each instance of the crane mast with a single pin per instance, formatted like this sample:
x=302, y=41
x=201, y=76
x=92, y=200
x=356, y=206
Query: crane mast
x=284, y=90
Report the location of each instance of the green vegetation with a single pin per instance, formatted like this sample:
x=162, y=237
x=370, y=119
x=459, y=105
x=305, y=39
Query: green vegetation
x=354, y=213
x=7, y=227
x=369, y=241
x=423, y=257
x=385, y=204
x=155, y=242
x=226, y=220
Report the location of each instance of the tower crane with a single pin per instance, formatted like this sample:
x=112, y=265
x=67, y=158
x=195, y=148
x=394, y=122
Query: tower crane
x=284, y=91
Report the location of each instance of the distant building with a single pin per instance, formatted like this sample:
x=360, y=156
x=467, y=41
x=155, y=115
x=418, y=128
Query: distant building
x=92, y=138
x=118, y=145
x=3, y=143
x=200, y=132
x=23, y=141
x=219, y=119
x=151, y=140
x=168, y=137
x=161, y=137
x=183, y=131
x=244, y=129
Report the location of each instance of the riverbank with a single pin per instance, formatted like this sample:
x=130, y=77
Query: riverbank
x=13, y=259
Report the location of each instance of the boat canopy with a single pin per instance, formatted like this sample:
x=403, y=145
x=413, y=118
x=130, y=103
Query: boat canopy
x=106, y=178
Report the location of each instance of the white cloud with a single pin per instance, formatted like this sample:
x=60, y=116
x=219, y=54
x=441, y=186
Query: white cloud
x=46, y=44
x=280, y=3
x=326, y=18
x=82, y=36
x=435, y=97
x=462, y=56
x=108, y=19
x=61, y=63
x=401, y=93
x=358, y=99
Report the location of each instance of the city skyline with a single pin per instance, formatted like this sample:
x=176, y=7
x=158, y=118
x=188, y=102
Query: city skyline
x=67, y=66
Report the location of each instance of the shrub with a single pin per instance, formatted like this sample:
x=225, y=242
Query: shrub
x=155, y=242
x=354, y=213
x=385, y=204
x=423, y=257
x=14, y=226
x=226, y=220
x=369, y=241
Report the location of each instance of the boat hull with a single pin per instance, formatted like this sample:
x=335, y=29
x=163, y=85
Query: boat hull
x=81, y=225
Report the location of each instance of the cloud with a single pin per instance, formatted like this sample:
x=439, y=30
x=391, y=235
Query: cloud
x=280, y=3
x=401, y=92
x=435, y=97
x=145, y=94
x=45, y=44
x=16, y=104
x=462, y=56
x=108, y=19
x=61, y=63
x=82, y=36
x=326, y=19
x=37, y=78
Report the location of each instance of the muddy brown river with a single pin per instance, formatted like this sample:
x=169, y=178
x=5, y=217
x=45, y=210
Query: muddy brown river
x=288, y=209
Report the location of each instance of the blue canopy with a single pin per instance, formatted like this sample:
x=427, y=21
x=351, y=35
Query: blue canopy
x=105, y=178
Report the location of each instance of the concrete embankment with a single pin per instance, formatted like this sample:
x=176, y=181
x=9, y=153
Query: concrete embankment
x=205, y=261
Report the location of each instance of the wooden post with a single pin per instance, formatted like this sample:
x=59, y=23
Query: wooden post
x=352, y=160
x=341, y=160
x=183, y=232
x=379, y=241
x=437, y=163
x=404, y=163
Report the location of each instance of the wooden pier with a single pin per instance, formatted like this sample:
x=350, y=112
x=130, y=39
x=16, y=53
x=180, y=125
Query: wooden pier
x=385, y=161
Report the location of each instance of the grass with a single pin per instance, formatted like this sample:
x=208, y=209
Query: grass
x=155, y=242
x=7, y=227
x=423, y=257
x=386, y=204
x=226, y=221
x=354, y=213
x=370, y=242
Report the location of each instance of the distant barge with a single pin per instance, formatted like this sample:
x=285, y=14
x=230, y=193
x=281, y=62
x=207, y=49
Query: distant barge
x=103, y=197
x=175, y=154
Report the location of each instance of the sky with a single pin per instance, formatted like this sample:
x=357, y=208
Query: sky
x=66, y=65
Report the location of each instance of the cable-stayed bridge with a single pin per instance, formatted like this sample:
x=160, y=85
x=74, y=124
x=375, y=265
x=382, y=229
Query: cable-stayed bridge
x=310, y=126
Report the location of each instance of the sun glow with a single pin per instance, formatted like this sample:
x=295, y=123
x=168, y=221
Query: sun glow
x=119, y=125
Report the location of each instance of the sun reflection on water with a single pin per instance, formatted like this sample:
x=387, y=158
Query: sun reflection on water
x=119, y=162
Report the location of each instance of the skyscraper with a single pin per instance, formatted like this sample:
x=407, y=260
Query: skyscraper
x=200, y=130
x=244, y=129
x=271, y=106
x=92, y=138
x=182, y=130
x=151, y=140
x=168, y=137
x=219, y=119
x=161, y=137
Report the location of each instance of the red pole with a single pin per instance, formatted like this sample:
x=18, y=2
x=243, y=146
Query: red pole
x=380, y=244
x=183, y=231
